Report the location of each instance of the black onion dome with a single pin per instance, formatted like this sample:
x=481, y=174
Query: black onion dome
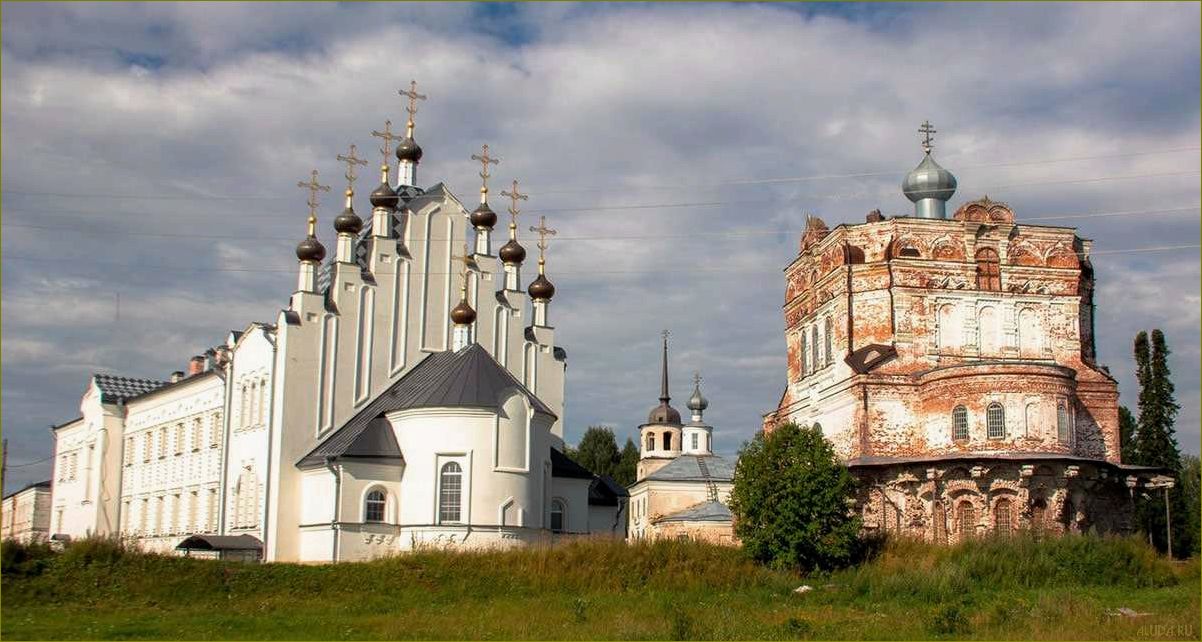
x=512, y=252
x=408, y=150
x=384, y=196
x=310, y=249
x=484, y=216
x=541, y=289
x=463, y=314
x=663, y=414
x=348, y=222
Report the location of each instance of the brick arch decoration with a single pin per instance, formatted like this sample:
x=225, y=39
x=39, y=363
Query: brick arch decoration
x=984, y=210
x=852, y=255
x=945, y=249
x=1062, y=257
x=908, y=242
x=1021, y=253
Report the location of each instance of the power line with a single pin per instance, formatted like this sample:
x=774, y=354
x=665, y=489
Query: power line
x=30, y=463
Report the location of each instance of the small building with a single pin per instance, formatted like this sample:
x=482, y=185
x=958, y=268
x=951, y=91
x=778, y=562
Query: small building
x=26, y=514
x=681, y=487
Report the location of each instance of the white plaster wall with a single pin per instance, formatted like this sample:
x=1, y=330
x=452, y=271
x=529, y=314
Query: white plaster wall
x=251, y=418
x=574, y=494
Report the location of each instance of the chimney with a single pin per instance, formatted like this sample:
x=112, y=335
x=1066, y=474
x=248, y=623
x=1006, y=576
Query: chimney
x=196, y=365
x=177, y=376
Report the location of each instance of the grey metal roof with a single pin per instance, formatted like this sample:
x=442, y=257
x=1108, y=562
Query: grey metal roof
x=114, y=388
x=704, y=512
x=470, y=378
x=686, y=468
x=241, y=542
x=604, y=491
x=41, y=484
x=564, y=466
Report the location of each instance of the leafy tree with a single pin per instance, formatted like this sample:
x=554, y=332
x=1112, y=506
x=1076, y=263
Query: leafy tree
x=598, y=450
x=628, y=463
x=1127, y=429
x=790, y=500
x=1191, y=493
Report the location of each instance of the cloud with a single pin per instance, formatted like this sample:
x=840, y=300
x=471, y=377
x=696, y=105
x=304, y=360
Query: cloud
x=210, y=114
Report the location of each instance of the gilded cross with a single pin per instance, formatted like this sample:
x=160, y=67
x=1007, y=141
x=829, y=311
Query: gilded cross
x=388, y=137
x=314, y=187
x=514, y=196
x=696, y=378
x=466, y=260
x=926, y=130
x=413, y=97
x=351, y=160
x=485, y=161
x=543, y=232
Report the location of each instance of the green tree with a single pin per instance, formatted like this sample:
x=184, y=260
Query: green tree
x=628, y=463
x=598, y=450
x=1155, y=443
x=790, y=500
x=1127, y=430
x=1191, y=494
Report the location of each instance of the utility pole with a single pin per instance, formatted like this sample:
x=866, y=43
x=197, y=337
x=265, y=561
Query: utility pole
x=3, y=465
x=1168, y=522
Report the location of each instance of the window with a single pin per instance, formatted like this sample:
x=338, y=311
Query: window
x=805, y=355
x=197, y=430
x=147, y=446
x=1001, y=517
x=192, y=526
x=179, y=439
x=211, y=520
x=814, y=348
x=667, y=441
x=1038, y=511
x=215, y=431
x=162, y=442
x=450, y=493
x=556, y=516
x=989, y=276
x=966, y=518
x=373, y=506
x=995, y=421
x=828, y=332
x=1062, y=423
x=144, y=516
x=960, y=423
x=695, y=439
x=709, y=443
x=651, y=441
x=129, y=451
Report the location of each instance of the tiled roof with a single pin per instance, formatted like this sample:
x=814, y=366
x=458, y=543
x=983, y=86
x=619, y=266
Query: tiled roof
x=114, y=388
x=470, y=378
x=705, y=512
x=686, y=468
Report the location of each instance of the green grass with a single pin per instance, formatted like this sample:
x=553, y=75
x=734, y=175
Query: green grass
x=991, y=589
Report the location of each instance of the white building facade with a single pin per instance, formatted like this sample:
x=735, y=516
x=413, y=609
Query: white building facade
x=373, y=416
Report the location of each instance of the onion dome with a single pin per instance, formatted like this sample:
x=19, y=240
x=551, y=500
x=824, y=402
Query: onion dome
x=348, y=222
x=697, y=402
x=384, y=196
x=310, y=249
x=408, y=150
x=463, y=314
x=483, y=216
x=663, y=414
x=512, y=252
x=541, y=289
x=929, y=180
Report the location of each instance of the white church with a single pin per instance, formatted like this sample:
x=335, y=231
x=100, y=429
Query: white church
x=411, y=394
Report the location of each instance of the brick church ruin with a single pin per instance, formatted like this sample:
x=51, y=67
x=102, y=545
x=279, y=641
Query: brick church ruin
x=951, y=361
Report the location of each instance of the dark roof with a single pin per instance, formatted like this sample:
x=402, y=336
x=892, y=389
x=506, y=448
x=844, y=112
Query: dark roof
x=115, y=389
x=171, y=384
x=41, y=484
x=470, y=378
x=604, y=491
x=688, y=468
x=564, y=466
x=869, y=357
x=242, y=542
x=704, y=512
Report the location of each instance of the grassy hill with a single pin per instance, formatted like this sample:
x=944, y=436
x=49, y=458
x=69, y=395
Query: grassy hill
x=991, y=589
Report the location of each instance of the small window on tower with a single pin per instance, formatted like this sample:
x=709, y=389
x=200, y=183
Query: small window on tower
x=989, y=276
x=695, y=438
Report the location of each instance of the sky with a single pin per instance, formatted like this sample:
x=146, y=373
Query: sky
x=151, y=153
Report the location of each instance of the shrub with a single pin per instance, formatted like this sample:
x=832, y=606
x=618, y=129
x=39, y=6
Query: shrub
x=791, y=500
x=24, y=560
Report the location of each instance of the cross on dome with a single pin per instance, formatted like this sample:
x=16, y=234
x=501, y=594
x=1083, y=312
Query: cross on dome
x=387, y=136
x=927, y=130
x=514, y=196
x=351, y=161
x=543, y=232
x=314, y=187
x=485, y=160
x=413, y=97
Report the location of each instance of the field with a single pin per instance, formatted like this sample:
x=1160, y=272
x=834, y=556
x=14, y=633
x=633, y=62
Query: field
x=1020, y=588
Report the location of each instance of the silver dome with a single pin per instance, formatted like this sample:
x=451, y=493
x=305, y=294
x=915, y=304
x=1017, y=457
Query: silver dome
x=697, y=402
x=929, y=180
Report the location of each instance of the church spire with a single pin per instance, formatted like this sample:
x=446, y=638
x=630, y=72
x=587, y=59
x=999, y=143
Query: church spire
x=348, y=223
x=462, y=315
x=541, y=289
x=512, y=253
x=664, y=397
x=408, y=153
x=310, y=252
x=483, y=218
x=384, y=198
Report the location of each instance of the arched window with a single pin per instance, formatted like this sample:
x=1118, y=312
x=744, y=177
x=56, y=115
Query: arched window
x=667, y=441
x=1062, y=423
x=966, y=519
x=828, y=332
x=1001, y=517
x=1038, y=510
x=650, y=441
x=989, y=275
x=450, y=493
x=960, y=423
x=814, y=348
x=987, y=331
x=995, y=421
x=373, y=506
x=805, y=355
x=557, y=513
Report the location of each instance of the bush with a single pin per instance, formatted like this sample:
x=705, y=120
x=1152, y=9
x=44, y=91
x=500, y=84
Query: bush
x=23, y=560
x=791, y=500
